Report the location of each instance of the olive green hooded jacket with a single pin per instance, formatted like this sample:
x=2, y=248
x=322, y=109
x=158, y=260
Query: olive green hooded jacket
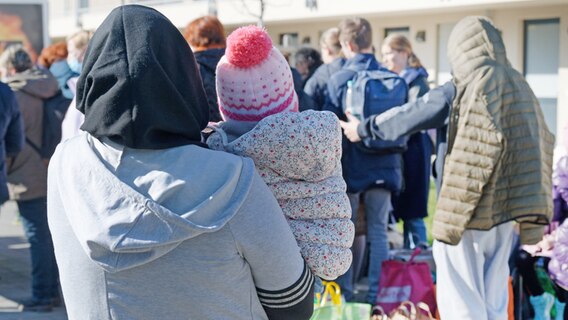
x=498, y=166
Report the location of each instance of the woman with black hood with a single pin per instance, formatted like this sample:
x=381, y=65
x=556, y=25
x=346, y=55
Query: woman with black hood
x=148, y=223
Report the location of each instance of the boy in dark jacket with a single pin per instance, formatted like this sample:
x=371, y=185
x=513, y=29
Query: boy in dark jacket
x=369, y=176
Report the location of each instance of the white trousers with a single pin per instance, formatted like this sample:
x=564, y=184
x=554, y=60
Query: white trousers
x=472, y=277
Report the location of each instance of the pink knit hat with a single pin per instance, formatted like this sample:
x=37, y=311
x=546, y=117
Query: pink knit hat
x=253, y=78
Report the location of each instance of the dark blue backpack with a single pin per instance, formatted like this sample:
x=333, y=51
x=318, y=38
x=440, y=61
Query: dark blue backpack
x=378, y=91
x=54, y=110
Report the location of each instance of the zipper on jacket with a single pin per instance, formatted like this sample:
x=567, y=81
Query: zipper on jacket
x=452, y=129
x=453, y=121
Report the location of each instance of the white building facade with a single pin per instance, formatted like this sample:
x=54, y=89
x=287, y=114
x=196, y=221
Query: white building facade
x=535, y=31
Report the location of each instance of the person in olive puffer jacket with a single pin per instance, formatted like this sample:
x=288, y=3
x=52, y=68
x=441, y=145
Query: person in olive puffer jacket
x=497, y=168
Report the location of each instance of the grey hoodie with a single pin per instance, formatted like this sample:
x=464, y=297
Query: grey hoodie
x=178, y=233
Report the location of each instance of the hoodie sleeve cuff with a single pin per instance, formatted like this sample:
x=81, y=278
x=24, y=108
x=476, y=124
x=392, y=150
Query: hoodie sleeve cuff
x=449, y=90
x=294, y=302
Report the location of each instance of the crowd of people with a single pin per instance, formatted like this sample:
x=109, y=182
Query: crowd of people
x=203, y=171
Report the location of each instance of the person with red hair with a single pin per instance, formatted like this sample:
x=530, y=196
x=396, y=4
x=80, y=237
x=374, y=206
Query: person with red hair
x=53, y=53
x=206, y=37
x=54, y=58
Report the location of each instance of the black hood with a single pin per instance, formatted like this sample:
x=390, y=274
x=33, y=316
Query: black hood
x=140, y=84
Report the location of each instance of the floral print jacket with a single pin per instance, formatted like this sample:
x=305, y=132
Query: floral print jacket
x=558, y=266
x=299, y=157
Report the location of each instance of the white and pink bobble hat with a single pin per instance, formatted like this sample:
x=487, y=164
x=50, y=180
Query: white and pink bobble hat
x=253, y=78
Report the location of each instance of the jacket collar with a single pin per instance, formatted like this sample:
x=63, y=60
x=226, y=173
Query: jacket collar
x=338, y=62
x=361, y=60
x=411, y=74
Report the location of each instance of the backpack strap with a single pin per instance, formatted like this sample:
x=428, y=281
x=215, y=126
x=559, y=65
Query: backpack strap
x=367, y=67
x=34, y=146
x=351, y=68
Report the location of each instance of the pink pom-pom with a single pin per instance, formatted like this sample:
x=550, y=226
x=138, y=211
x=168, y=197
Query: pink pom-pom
x=248, y=46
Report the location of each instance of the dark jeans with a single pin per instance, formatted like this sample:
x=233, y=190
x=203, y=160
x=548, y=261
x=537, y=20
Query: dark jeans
x=377, y=208
x=45, y=276
x=414, y=229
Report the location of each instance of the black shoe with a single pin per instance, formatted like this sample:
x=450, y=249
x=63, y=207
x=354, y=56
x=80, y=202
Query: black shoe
x=36, y=306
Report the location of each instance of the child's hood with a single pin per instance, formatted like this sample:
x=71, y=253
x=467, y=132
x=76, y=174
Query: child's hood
x=301, y=146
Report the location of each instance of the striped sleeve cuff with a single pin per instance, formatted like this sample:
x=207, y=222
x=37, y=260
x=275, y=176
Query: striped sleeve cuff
x=290, y=296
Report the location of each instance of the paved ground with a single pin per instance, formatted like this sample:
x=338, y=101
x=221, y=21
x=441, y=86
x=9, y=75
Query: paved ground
x=15, y=269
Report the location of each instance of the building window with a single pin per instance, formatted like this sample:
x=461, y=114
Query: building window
x=67, y=7
x=541, y=63
x=288, y=40
x=405, y=31
x=83, y=4
x=443, y=70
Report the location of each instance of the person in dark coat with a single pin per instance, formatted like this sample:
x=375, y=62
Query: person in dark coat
x=12, y=139
x=206, y=37
x=304, y=101
x=411, y=205
x=27, y=174
x=307, y=60
x=316, y=86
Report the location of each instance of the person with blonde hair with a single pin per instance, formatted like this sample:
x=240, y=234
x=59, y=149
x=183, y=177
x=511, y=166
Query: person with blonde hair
x=411, y=205
x=76, y=48
x=333, y=61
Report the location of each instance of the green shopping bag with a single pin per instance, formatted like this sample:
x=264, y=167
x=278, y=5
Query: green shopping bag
x=327, y=313
x=356, y=311
x=329, y=306
x=345, y=311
